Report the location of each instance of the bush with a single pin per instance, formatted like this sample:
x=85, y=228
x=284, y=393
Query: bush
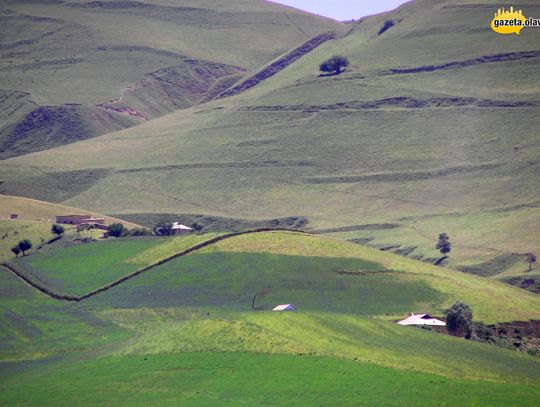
x=57, y=230
x=137, y=232
x=334, y=64
x=116, y=230
x=387, y=25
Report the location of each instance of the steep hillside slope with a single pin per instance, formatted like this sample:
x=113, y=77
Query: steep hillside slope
x=431, y=129
x=77, y=69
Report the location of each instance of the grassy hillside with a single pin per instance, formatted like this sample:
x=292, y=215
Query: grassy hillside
x=77, y=69
x=315, y=273
x=418, y=132
x=185, y=331
x=34, y=210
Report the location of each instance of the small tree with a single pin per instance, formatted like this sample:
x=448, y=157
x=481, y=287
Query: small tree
x=334, y=64
x=24, y=245
x=116, y=230
x=261, y=293
x=57, y=230
x=531, y=259
x=459, y=319
x=444, y=245
x=16, y=250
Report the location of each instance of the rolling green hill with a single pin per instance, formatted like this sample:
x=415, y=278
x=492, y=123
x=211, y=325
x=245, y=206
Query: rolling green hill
x=77, y=69
x=429, y=130
x=166, y=335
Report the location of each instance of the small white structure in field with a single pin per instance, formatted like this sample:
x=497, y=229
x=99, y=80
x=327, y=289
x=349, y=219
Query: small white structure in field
x=285, y=307
x=421, y=319
x=179, y=229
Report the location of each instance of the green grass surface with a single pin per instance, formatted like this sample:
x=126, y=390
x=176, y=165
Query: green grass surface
x=210, y=379
x=312, y=283
x=456, y=154
x=318, y=333
x=37, y=327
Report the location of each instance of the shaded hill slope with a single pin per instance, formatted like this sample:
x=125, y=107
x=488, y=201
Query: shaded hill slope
x=419, y=132
x=77, y=69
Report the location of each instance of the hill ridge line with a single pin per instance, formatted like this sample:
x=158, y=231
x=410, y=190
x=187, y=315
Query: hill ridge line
x=279, y=64
x=20, y=273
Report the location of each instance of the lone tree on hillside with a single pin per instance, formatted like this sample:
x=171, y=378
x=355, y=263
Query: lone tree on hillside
x=334, y=64
x=116, y=230
x=444, y=245
x=261, y=293
x=531, y=259
x=24, y=245
x=459, y=319
x=16, y=251
x=57, y=230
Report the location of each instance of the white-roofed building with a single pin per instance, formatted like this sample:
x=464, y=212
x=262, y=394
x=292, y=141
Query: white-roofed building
x=285, y=307
x=421, y=320
x=178, y=229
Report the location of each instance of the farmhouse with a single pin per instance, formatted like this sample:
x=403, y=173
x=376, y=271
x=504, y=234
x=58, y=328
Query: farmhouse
x=285, y=307
x=421, y=320
x=79, y=220
x=179, y=229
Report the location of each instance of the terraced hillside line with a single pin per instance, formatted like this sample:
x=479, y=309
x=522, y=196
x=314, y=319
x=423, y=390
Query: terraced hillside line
x=280, y=64
x=17, y=271
x=397, y=102
x=510, y=56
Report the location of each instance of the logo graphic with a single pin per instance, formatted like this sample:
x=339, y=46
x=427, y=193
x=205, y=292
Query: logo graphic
x=512, y=21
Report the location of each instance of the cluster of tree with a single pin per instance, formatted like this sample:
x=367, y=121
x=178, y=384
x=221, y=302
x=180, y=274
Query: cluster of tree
x=459, y=318
x=334, y=65
x=22, y=247
x=119, y=230
x=444, y=245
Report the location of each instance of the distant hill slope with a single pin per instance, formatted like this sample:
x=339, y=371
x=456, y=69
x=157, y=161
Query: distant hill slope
x=431, y=129
x=71, y=70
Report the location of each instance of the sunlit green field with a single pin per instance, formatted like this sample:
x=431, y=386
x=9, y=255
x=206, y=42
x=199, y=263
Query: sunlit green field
x=232, y=379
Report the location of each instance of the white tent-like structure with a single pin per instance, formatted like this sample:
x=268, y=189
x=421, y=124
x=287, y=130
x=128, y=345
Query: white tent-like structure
x=285, y=307
x=421, y=319
x=178, y=228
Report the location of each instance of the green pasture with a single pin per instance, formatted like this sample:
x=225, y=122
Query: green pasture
x=232, y=379
x=86, y=267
